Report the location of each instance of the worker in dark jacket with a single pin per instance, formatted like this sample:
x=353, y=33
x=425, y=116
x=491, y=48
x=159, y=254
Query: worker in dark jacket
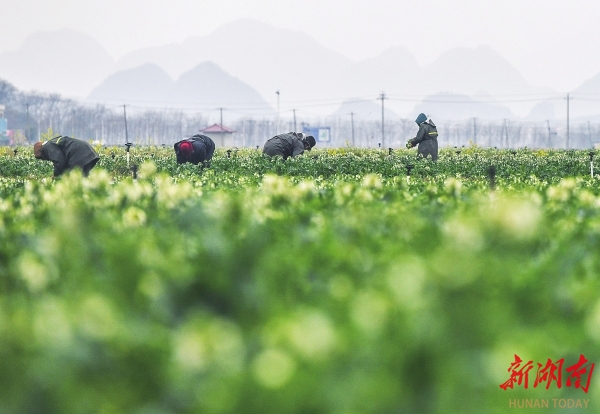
x=67, y=153
x=289, y=145
x=196, y=149
x=426, y=138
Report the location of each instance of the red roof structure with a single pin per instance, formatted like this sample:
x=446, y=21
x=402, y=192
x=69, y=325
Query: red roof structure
x=217, y=128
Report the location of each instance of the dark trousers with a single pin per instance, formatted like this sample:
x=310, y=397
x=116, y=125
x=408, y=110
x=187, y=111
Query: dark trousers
x=88, y=167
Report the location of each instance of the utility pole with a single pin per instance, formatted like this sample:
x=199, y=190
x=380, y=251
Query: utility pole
x=506, y=131
x=277, y=122
x=222, y=140
x=549, y=132
x=127, y=143
x=568, y=99
x=590, y=135
x=352, y=122
x=382, y=97
x=475, y=131
x=125, y=117
x=294, y=111
x=27, y=110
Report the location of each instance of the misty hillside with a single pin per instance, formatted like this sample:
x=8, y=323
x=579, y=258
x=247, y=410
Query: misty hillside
x=146, y=84
x=393, y=71
x=63, y=61
x=542, y=111
x=485, y=76
x=584, y=104
x=453, y=107
x=470, y=71
x=586, y=98
x=363, y=110
x=206, y=85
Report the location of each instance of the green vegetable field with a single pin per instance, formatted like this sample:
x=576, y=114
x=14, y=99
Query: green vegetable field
x=344, y=281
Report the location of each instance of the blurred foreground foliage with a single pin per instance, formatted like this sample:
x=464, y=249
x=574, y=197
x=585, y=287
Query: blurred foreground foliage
x=232, y=289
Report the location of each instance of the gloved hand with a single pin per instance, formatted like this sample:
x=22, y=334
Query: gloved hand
x=409, y=144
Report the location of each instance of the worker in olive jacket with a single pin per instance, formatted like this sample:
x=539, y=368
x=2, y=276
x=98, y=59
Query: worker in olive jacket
x=426, y=138
x=67, y=153
x=289, y=145
x=196, y=149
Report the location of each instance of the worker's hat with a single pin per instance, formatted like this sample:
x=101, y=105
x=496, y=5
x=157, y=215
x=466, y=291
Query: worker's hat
x=185, y=148
x=37, y=149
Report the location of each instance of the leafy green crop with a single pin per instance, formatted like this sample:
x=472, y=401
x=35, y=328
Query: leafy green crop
x=329, y=283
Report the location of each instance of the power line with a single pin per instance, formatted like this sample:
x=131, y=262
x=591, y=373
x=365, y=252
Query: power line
x=427, y=100
x=263, y=107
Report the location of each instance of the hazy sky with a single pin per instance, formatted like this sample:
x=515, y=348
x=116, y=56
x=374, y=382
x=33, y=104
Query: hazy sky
x=551, y=42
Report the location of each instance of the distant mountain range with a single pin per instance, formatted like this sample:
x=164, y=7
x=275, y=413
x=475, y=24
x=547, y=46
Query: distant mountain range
x=242, y=65
x=206, y=86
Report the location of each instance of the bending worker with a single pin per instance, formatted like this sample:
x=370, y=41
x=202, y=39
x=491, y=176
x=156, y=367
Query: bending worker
x=196, y=149
x=426, y=138
x=289, y=145
x=67, y=153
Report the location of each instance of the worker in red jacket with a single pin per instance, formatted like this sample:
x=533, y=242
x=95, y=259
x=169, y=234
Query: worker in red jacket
x=196, y=149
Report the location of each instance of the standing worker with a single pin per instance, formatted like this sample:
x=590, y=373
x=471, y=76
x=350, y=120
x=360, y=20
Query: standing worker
x=67, y=153
x=196, y=149
x=426, y=138
x=289, y=145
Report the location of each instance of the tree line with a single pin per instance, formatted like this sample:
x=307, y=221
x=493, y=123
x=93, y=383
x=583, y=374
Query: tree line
x=31, y=114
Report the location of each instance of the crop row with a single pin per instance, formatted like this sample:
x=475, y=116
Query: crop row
x=470, y=163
